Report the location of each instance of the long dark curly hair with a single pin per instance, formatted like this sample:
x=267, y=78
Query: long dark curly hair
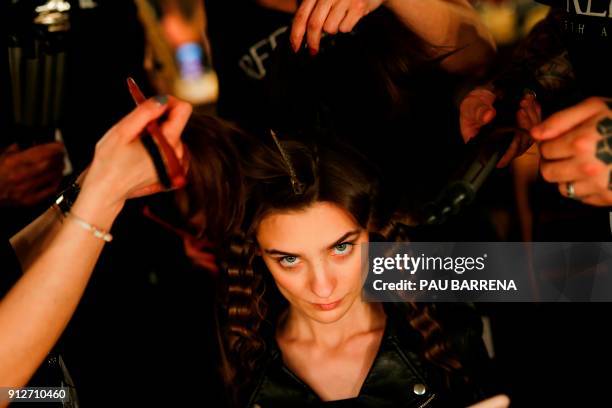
x=326, y=172
x=323, y=103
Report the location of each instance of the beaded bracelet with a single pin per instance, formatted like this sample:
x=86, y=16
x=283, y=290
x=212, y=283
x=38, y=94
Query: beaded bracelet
x=97, y=232
x=63, y=204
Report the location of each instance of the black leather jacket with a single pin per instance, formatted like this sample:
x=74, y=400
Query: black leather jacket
x=399, y=376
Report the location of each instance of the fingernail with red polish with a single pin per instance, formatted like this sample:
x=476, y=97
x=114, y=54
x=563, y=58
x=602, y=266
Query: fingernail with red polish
x=313, y=51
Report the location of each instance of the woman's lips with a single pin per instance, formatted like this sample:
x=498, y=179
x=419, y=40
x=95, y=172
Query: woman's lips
x=327, y=306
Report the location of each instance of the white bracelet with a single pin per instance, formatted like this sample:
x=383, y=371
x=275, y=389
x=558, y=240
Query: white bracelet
x=97, y=232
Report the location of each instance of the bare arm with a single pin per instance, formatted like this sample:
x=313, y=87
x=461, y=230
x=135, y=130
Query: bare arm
x=446, y=24
x=36, y=310
x=31, y=241
x=450, y=25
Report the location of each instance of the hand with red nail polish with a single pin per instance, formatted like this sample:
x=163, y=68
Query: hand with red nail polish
x=315, y=17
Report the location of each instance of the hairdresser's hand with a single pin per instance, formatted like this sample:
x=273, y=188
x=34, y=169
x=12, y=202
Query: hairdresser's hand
x=121, y=167
x=29, y=176
x=314, y=17
x=576, y=149
x=477, y=110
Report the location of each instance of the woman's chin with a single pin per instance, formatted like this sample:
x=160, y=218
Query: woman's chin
x=327, y=317
x=329, y=312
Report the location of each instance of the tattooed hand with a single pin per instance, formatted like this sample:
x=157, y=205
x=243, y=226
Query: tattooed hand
x=576, y=148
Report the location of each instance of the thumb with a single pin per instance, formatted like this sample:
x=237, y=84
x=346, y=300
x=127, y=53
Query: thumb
x=482, y=115
x=567, y=119
x=485, y=114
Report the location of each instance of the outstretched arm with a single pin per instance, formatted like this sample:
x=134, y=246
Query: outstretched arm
x=448, y=25
x=58, y=254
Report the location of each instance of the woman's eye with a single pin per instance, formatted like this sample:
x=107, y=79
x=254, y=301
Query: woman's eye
x=289, y=261
x=343, y=248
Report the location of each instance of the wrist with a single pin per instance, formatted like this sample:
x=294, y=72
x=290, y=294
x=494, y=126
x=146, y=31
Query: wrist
x=96, y=205
x=102, y=189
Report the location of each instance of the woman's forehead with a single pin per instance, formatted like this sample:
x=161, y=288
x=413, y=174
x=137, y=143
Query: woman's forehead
x=316, y=226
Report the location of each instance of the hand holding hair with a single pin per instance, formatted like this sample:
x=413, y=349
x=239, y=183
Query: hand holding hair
x=576, y=149
x=314, y=17
x=57, y=254
x=477, y=110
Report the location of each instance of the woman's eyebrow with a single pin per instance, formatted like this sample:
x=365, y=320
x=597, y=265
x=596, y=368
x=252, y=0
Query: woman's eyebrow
x=278, y=252
x=344, y=238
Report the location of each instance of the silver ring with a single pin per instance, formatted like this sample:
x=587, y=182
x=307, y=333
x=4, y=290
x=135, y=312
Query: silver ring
x=571, y=193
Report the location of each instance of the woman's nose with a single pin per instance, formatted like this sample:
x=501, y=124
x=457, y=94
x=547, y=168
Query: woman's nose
x=323, y=281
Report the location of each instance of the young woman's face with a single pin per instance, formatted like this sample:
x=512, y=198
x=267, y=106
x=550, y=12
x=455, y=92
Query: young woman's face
x=314, y=256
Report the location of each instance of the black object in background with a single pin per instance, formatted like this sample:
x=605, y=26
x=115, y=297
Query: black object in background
x=37, y=41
